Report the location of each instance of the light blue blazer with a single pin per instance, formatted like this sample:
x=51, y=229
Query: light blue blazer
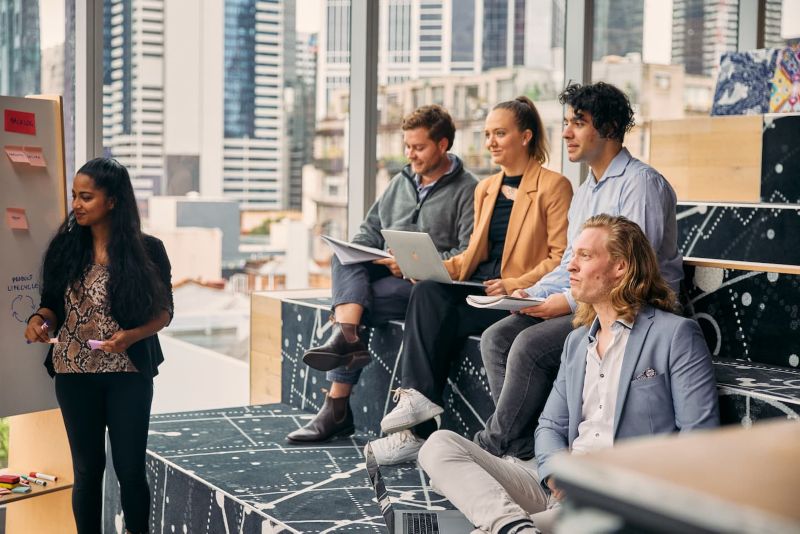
x=666, y=384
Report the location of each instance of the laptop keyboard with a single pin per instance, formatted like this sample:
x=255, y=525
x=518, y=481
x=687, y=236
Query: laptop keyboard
x=420, y=523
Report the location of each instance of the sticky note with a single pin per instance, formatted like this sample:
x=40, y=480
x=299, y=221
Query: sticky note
x=16, y=219
x=16, y=154
x=35, y=156
x=94, y=344
x=19, y=121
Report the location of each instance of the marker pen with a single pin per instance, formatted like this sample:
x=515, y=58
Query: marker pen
x=94, y=344
x=43, y=476
x=33, y=480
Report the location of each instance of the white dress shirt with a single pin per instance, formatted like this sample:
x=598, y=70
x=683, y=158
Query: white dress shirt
x=600, y=388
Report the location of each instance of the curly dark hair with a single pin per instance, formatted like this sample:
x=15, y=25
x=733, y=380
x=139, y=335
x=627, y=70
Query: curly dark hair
x=609, y=107
x=136, y=292
x=436, y=119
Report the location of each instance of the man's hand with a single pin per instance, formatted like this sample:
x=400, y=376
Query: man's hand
x=119, y=342
x=390, y=264
x=554, y=306
x=557, y=493
x=494, y=287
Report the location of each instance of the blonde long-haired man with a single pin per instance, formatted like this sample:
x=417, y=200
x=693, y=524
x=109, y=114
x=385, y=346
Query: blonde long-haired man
x=632, y=368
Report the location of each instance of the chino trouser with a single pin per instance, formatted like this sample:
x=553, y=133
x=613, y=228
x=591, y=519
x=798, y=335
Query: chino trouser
x=438, y=321
x=521, y=355
x=383, y=296
x=492, y=492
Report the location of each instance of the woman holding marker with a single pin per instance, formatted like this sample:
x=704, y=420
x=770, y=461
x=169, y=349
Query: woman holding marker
x=104, y=282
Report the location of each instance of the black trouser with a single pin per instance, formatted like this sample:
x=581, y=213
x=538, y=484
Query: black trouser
x=90, y=403
x=437, y=323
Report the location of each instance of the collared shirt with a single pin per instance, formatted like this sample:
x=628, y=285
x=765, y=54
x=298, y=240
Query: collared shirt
x=423, y=190
x=600, y=389
x=635, y=190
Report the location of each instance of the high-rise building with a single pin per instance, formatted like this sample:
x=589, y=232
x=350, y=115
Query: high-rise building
x=52, y=78
x=618, y=27
x=133, y=91
x=773, y=18
x=194, y=97
x=301, y=117
x=702, y=30
x=20, y=61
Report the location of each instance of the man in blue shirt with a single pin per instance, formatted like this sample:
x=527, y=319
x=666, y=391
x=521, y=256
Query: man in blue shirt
x=521, y=353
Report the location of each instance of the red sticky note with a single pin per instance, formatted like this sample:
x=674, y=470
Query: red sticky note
x=35, y=156
x=16, y=154
x=20, y=122
x=16, y=219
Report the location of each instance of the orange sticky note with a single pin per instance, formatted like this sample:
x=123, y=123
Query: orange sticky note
x=35, y=156
x=16, y=154
x=16, y=219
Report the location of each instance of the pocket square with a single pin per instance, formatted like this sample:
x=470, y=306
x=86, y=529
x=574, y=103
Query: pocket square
x=648, y=373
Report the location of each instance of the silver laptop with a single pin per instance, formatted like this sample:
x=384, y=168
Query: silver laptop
x=412, y=521
x=418, y=258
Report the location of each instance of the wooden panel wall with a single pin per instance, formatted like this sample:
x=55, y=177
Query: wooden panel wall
x=715, y=159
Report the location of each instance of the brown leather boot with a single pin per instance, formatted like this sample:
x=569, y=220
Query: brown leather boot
x=344, y=348
x=334, y=420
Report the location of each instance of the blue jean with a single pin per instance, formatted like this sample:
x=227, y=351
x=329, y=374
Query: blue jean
x=383, y=296
x=521, y=355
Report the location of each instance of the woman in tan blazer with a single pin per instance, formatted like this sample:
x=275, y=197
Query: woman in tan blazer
x=519, y=235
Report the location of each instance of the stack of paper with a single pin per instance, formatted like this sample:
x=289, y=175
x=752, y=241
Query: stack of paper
x=353, y=253
x=503, y=302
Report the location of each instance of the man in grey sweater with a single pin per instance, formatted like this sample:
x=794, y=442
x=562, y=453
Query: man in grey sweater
x=432, y=194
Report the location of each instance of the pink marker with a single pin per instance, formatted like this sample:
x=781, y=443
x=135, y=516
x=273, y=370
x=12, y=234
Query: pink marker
x=94, y=344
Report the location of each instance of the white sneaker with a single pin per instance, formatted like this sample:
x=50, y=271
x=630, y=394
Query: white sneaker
x=396, y=448
x=412, y=409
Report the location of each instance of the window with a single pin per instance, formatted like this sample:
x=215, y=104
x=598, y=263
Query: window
x=664, y=56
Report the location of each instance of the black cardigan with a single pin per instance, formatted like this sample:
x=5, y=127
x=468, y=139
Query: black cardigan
x=145, y=354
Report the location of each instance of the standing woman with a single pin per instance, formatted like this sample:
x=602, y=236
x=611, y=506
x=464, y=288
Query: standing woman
x=103, y=279
x=519, y=235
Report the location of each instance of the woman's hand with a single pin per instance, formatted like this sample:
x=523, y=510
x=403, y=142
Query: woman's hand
x=119, y=342
x=520, y=294
x=36, y=331
x=495, y=287
x=555, y=305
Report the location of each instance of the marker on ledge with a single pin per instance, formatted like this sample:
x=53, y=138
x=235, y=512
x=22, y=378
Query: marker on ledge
x=33, y=480
x=43, y=476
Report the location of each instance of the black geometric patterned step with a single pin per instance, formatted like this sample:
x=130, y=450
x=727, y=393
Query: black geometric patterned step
x=780, y=159
x=764, y=234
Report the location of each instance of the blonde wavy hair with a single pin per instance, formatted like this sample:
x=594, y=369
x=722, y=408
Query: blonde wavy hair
x=641, y=284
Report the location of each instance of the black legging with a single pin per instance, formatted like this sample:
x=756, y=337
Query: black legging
x=90, y=402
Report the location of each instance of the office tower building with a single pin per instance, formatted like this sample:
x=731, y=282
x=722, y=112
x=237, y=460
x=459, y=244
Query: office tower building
x=618, y=27
x=702, y=30
x=301, y=96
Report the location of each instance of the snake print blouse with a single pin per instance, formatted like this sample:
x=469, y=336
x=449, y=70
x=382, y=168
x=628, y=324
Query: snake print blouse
x=88, y=316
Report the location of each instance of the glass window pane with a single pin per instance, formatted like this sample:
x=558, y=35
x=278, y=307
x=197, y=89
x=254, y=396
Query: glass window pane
x=37, y=56
x=467, y=57
x=664, y=55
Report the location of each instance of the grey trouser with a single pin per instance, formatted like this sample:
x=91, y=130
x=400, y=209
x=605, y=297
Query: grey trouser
x=383, y=296
x=521, y=355
x=492, y=492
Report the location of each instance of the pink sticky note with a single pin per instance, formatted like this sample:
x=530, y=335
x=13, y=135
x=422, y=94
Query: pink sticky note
x=16, y=219
x=94, y=344
x=16, y=154
x=35, y=156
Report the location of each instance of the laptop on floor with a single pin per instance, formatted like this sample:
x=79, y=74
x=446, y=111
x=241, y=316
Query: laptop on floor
x=418, y=258
x=412, y=521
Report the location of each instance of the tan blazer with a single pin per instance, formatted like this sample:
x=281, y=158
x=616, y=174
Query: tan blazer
x=537, y=229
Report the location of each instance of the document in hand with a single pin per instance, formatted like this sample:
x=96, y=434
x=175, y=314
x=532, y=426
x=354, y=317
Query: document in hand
x=352, y=253
x=503, y=302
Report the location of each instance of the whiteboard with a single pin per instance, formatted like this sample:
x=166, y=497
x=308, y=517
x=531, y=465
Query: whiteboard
x=25, y=385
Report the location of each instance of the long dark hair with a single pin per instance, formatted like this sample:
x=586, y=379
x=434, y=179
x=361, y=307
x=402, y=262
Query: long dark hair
x=136, y=292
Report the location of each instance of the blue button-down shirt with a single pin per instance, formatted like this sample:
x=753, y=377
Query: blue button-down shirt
x=632, y=189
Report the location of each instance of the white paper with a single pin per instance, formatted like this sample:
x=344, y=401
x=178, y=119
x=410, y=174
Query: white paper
x=353, y=253
x=503, y=302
